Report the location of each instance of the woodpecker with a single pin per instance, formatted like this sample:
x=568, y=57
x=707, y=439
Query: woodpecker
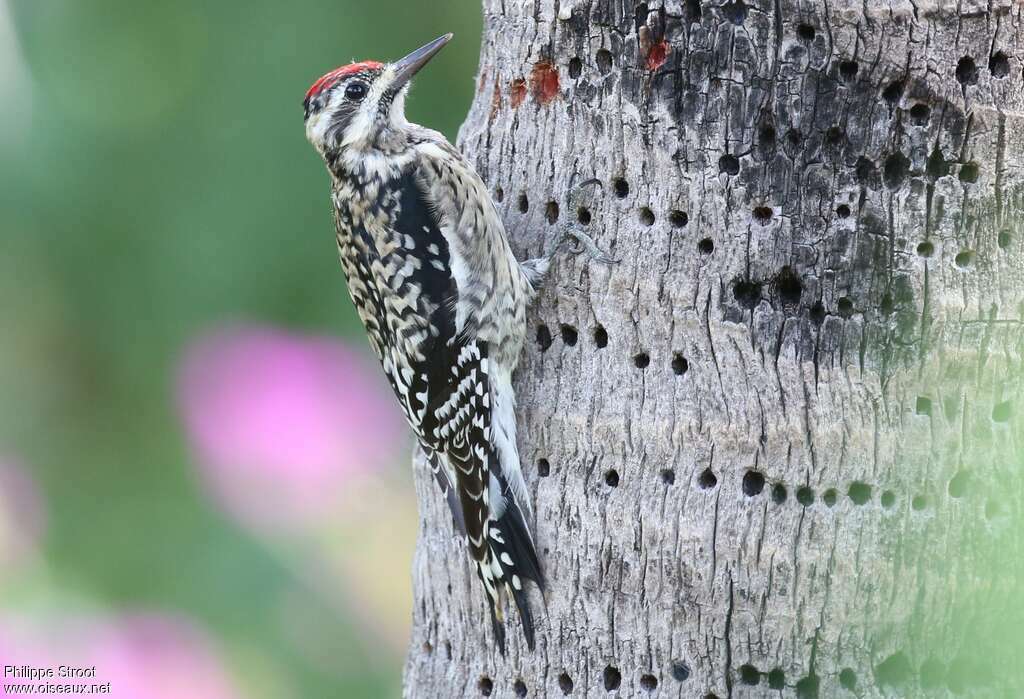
x=443, y=300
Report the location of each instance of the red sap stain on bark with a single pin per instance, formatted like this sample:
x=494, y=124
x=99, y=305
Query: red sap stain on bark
x=544, y=82
x=658, y=54
x=517, y=90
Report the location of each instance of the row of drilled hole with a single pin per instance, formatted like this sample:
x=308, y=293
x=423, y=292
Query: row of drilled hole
x=570, y=336
x=754, y=483
x=677, y=218
x=749, y=293
x=552, y=210
x=763, y=215
x=966, y=69
x=894, y=670
x=611, y=677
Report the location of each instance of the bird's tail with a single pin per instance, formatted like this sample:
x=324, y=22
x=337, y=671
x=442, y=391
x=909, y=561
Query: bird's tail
x=511, y=560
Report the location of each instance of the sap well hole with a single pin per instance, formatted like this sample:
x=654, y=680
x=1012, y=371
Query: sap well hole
x=919, y=114
x=753, y=483
x=612, y=678
x=544, y=338
x=575, y=67
x=569, y=335
x=958, y=484
x=707, y=479
x=969, y=173
x=845, y=307
x=893, y=91
x=999, y=65
x=749, y=674
x=859, y=492
x=680, y=671
x=747, y=293
x=779, y=493
x=966, y=71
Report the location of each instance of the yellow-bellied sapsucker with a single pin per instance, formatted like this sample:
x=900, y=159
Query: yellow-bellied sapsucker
x=443, y=300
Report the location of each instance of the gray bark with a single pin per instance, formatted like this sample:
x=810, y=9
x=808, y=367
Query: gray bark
x=776, y=448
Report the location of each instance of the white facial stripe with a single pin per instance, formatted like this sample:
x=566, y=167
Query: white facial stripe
x=398, y=108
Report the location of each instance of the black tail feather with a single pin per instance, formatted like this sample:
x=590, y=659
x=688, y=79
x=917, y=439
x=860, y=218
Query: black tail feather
x=519, y=544
x=512, y=548
x=510, y=561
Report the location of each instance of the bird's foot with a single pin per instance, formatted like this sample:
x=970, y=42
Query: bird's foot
x=536, y=269
x=581, y=242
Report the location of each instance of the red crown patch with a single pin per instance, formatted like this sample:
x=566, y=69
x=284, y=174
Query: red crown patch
x=337, y=74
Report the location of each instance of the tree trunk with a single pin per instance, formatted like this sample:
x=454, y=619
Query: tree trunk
x=777, y=447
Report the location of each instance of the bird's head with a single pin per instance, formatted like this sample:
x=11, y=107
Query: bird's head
x=361, y=106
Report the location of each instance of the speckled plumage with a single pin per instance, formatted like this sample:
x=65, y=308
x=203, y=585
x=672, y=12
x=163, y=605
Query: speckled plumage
x=443, y=301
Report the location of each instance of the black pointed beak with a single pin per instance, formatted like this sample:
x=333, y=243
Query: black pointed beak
x=407, y=67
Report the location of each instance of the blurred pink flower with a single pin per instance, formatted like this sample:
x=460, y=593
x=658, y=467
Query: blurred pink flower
x=142, y=657
x=22, y=516
x=282, y=424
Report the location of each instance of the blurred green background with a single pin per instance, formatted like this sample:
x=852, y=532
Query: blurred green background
x=155, y=185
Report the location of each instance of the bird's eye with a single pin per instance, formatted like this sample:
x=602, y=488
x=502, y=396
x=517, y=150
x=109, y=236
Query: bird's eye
x=355, y=91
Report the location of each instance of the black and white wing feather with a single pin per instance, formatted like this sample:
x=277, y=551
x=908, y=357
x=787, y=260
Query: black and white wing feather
x=441, y=378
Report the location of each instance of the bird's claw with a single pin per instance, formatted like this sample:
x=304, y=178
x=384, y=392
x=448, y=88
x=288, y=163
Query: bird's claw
x=584, y=243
